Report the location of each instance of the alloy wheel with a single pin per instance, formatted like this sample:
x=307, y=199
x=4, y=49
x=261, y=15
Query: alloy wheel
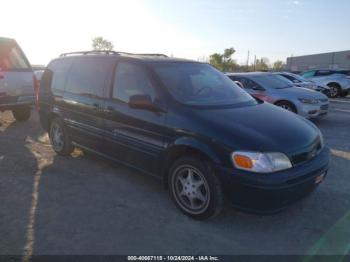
x=190, y=189
x=286, y=107
x=334, y=91
x=56, y=136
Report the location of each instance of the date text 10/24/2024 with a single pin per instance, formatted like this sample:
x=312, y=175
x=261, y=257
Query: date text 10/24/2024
x=173, y=258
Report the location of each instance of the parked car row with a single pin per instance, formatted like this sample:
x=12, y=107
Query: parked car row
x=277, y=90
x=182, y=121
x=300, y=81
x=337, y=80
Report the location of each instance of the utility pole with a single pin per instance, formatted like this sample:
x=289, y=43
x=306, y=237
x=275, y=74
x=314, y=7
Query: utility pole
x=248, y=61
x=332, y=65
x=254, y=62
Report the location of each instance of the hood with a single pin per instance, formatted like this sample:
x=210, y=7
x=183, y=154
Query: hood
x=300, y=92
x=263, y=127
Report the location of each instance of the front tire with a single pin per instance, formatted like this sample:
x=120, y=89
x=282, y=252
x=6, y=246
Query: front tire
x=59, y=138
x=335, y=90
x=195, y=189
x=22, y=113
x=287, y=106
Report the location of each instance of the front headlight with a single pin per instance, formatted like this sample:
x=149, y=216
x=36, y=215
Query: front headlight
x=260, y=162
x=308, y=101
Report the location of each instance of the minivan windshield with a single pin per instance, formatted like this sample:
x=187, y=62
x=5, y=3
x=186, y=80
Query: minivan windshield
x=272, y=81
x=200, y=84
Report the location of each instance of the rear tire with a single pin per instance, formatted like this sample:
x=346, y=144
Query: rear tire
x=22, y=113
x=287, y=106
x=195, y=189
x=59, y=138
x=335, y=90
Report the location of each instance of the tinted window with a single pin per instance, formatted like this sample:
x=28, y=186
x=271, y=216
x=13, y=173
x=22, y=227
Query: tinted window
x=271, y=81
x=247, y=83
x=309, y=74
x=56, y=74
x=12, y=57
x=200, y=84
x=323, y=73
x=131, y=79
x=288, y=77
x=297, y=77
x=88, y=76
x=344, y=72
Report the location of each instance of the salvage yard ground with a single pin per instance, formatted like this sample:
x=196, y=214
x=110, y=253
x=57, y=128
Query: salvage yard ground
x=85, y=205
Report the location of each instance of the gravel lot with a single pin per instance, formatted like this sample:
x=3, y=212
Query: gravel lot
x=86, y=205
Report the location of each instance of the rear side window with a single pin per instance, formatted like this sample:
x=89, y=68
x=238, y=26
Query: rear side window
x=247, y=83
x=290, y=78
x=323, y=73
x=344, y=72
x=12, y=57
x=56, y=75
x=89, y=76
x=309, y=74
x=131, y=79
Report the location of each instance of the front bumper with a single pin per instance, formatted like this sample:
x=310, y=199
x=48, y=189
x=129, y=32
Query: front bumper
x=313, y=110
x=269, y=193
x=9, y=102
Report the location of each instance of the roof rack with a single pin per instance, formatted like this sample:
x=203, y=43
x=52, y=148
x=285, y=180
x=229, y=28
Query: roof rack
x=90, y=52
x=162, y=55
x=107, y=53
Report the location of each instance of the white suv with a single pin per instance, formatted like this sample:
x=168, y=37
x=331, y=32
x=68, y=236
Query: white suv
x=17, y=82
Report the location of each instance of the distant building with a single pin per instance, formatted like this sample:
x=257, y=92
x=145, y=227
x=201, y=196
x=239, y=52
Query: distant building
x=332, y=60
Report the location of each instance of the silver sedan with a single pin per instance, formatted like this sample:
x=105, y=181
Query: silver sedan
x=279, y=91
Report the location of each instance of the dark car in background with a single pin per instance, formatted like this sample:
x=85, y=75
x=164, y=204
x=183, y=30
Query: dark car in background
x=17, y=81
x=300, y=81
x=185, y=123
x=281, y=92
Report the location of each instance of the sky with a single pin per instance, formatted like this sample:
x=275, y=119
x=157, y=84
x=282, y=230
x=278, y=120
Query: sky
x=191, y=29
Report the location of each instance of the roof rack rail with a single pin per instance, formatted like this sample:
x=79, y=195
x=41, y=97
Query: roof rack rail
x=162, y=55
x=91, y=52
x=107, y=53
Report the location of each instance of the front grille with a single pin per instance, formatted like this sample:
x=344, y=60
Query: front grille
x=323, y=100
x=324, y=107
x=305, y=156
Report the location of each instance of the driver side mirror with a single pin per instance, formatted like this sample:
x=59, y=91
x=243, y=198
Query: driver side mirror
x=144, y=102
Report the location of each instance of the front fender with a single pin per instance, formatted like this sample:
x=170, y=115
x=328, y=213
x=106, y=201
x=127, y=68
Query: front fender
x=195, y=144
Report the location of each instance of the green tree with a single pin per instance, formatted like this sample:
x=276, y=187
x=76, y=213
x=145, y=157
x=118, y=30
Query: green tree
x=101, y=44
x=262, y=64
x=217, y=61
x=278, y=65
x=224, y=62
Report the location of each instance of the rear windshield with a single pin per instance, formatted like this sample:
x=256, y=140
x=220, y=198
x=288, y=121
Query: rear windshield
x=200, y=84
x=12, y=57
x=272, y=81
